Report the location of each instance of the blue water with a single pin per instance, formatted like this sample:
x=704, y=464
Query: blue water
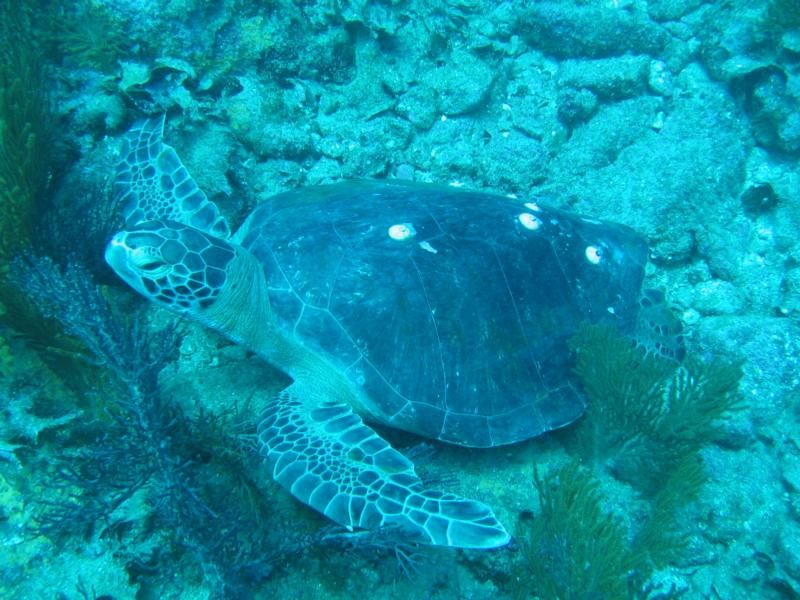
x=136, y=455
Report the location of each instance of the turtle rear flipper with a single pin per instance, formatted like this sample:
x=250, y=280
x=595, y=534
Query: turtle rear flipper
x=152, y=183
x=658, y=331
x=323, y=453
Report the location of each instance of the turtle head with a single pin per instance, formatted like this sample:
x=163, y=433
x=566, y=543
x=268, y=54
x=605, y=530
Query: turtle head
x=195, y=273
x=174, y=265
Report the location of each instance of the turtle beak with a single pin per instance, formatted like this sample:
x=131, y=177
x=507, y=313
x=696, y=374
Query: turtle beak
x=117, y=256
x=116, y=252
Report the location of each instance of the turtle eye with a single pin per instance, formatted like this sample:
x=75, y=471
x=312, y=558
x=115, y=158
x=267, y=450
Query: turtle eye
x=152, y=266
x=149, y=261
x=149, y=265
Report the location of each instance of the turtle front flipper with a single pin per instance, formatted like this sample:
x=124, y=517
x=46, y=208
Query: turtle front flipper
x=152, y=183
x=323, y=453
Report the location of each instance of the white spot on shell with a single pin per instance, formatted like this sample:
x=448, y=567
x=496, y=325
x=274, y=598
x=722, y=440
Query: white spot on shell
x=530, y=221
x=402, y=231
x=593, y=254
x=428, y=247
x=533, y=206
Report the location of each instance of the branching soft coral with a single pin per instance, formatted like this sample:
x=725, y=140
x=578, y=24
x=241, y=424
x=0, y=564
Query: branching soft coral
x=191, y=475
x=574, y=548
x=25, y=128
x=86, y=35
x=646, y=414
x=647, y=418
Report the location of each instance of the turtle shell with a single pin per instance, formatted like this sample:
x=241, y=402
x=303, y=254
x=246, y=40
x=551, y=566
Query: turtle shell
x=449, y=309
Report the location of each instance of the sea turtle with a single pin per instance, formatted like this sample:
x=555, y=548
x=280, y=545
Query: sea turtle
x=435, y=310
